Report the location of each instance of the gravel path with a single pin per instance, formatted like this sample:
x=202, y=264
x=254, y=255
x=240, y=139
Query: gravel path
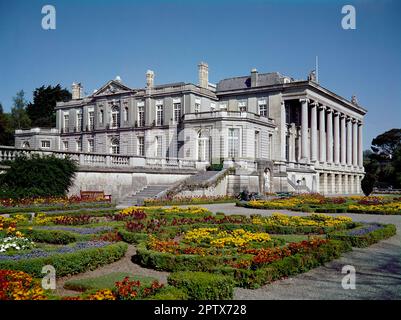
x=123, y=265
x=378, y=267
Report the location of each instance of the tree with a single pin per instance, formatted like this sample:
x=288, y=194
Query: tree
x=42, y=110
x=37, y=176
x=367, y=184
x=383, y=163
x=386, y=143
x=6, y=131
x=19, y=116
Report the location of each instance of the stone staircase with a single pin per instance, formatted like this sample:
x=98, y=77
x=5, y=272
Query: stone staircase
x=298, y=188
x=201, y=177
x=137, y=198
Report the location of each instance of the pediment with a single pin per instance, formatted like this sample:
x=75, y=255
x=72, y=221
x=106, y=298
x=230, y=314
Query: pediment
x=112, y=87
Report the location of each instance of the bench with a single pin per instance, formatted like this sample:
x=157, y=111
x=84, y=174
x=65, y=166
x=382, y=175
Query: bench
x=92, y=195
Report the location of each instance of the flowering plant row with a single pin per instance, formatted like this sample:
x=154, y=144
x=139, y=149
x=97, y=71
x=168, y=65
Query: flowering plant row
x=8, y=202
x=318, y=220
x=15, y=244
x=17, y=285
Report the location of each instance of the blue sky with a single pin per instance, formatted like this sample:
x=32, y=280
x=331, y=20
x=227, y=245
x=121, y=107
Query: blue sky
x=96, y=40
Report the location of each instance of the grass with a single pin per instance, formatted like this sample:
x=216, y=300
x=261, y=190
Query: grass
x=104, y=282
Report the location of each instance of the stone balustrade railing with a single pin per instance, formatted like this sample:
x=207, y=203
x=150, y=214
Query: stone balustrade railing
x=227, y=114
x=105, y=160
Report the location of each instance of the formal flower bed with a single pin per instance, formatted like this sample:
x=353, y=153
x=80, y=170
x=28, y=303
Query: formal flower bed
x=318, y=203
x=17, y=285
x=189, y=200
x=18, y=243
x=365, y=235
x=46, y=201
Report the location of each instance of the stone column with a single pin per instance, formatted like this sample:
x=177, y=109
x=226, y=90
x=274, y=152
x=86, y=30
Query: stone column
x=343, y=141
x=329, y=136
x=360, y=145
x=345, y=184
x=340, y=184
x=292, y=142
x=336, y=138
x=314, y=131
x=355, y=143
x=349, y=141
x=283, y=130
x=322, y=134
x=304, y=129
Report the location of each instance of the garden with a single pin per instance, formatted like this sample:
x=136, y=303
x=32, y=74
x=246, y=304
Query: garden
x=388, y=205
x=184, y=252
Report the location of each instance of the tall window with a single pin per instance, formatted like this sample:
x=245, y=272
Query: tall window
x=65, y=145
x=159, y=146
x=257, y=144
x=159, y=115
x=91, y=145
x=66, y=122
x=79, y=121
x=45, y=144
x=263, y=112
x=79, y=145
x=202, y=147
x=101, y=117
x=91, y=120
x=141, y=116
x=212, y=106
x=141, y=146
x=177, y=112
x=233, y=143
x=197, y=106
x=115, y=117
x=125, y=114
x=115, y=146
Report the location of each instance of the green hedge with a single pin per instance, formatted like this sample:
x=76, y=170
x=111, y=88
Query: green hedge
x=45, y=208
x=170, y=262
x=203, y=285
x=169, y=293
x=132, y=237
x=69, y=263
x=51, y=236
x=367, y=239
x=288, y=266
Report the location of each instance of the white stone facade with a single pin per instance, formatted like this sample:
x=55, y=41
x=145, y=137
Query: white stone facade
x=304, y=137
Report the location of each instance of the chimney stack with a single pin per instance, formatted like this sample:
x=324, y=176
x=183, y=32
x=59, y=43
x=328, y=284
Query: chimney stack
x=203, y=69
x=150, y=78
x=76, y=89
x=254, y=77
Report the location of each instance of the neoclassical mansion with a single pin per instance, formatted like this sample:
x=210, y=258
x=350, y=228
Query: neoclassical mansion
x=291, y=134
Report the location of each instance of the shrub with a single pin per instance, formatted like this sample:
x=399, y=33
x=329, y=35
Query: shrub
x=169, y=293
x=50, y=236
x=37, y=176
x=203, y=285
x=367, y=184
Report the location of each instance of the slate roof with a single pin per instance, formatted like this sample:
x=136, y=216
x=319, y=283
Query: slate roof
x=264, y=79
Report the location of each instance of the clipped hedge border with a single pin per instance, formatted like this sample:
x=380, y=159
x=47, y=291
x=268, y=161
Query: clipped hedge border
x=365, y=240
x=52, y=236
x=132, y=237
x=169, y=293
x=288, y=266
x=4, y=210
x=70, y=263
x=203, y=285
x=170, y=262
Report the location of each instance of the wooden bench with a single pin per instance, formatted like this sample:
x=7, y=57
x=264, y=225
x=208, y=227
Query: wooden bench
x=92, y=195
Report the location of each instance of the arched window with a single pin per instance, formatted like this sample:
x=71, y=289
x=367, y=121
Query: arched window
x=114, y=146
x=115, y=117
x=25, y=145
